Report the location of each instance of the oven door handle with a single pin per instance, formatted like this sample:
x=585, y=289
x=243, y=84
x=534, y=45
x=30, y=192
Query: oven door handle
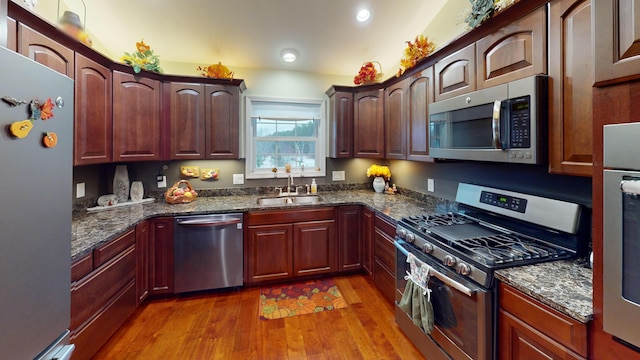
x=495, y=124
x=442, y=277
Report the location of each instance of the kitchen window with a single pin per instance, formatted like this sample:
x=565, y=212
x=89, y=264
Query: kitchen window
x=285, y=132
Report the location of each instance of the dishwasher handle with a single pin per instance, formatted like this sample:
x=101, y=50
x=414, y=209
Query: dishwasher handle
x=209, y=223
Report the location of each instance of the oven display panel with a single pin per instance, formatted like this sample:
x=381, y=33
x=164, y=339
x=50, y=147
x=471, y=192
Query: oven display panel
x=504, y=201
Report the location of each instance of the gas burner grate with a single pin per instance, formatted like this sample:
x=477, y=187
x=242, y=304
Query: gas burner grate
x=427, y=221
x=503, y=249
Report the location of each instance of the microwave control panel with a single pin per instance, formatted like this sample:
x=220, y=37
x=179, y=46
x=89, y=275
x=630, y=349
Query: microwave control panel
x=520, y=124
x=504, y=201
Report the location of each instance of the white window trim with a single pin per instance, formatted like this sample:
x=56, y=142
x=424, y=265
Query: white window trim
x=321, y=146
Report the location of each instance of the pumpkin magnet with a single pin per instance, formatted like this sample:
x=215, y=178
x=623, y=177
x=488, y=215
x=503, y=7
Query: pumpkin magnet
x=21, y=129
x=50, y=139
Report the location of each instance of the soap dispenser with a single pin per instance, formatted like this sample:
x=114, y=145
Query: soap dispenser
x=314, y=187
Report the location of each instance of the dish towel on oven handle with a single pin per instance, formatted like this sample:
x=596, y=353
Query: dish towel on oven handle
x=415, y=301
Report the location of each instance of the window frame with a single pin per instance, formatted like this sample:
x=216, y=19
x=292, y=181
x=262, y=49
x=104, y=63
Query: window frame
x=251, y=155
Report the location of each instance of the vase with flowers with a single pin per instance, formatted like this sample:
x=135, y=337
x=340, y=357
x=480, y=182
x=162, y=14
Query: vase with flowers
x=380, y=173
x=142, y=59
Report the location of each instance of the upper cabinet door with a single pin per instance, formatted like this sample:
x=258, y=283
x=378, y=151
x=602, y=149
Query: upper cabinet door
x=513, y=52
x=341, y=125
x=571, y=68
x=187, y=135
x=223, y=122
x=419, y=96
x=12, y=34
x=395, y=120
x=456, y=73
x=368, y=123
x=47, y=52
x=617, y=40
x=136, y=118
x=93, y=125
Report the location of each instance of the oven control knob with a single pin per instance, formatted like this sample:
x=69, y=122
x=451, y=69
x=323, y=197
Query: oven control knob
x=449, y=261
x=402, y=233
x=410, y=238
x=427, y=248
x=463, y=269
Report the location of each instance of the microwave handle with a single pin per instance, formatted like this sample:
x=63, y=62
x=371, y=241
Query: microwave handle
x=495, y=124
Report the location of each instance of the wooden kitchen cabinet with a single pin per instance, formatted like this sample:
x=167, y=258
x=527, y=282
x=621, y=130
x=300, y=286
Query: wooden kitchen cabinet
x=571, y=71
x=420, y=90
x=222, y=107
x=617, y=41
x=456, y=74
x=12, y=34
x=283, y=244
x=161, y=256
x=93, y=122
x=513, y=52
x=340, y=122
x=45, y=51
x=142, y=262
x=368, y=124
x=395, y=121
x=136, y=118
x=102, y=299
x=270, y=250
x=350, y=232
x=384, y=253
x=314, y=248
x=187, y=121
x=368, y=230
x=530, y=330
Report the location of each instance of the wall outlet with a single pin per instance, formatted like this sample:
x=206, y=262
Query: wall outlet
x=338, y=175
x=80, y=190
x=162, y=181
x=238, y=179
x=430, y=185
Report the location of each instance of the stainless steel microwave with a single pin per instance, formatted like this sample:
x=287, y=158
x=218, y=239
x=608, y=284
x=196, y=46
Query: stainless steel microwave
x=504, y=123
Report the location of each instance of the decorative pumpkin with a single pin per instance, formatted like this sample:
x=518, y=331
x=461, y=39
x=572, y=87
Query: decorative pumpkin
x=323, y=299
x=21, y=129
x=303, y=306
x=50, y=139
x=277, y=314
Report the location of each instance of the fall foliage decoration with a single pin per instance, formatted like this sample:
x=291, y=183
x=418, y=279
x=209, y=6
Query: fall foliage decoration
x=417, y=50
x=368, y=73
x=299, y=299
x=46, y=110
x=216, y=71
x=142, y=59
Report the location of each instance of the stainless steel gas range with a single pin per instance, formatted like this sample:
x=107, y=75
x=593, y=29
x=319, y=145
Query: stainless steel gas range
x=453, y=258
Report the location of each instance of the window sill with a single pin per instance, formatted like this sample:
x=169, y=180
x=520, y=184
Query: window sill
x=284, y=175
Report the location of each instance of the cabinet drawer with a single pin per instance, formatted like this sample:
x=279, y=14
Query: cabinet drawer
x=384, y=280
x=107, y=251
x=289, y=216
x=81, y=267
x=384, y=250
x=93, y=292
x=557, y=326
x=387, y=226
x=95, y=333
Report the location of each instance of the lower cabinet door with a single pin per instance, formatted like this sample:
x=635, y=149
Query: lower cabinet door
x=314, y=248
x=142, y=261
x=161, y=256
x=368, y=229
x=350, y=238
x=270, y=252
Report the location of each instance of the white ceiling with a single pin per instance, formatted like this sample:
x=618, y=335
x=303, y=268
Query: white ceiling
x=253, y=33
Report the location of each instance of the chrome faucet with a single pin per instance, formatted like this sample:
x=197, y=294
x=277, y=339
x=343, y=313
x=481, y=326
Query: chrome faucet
x=289, y=183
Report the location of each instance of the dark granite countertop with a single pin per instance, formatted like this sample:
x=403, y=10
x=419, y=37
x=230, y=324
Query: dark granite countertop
x=565, y=286
x=90, y=230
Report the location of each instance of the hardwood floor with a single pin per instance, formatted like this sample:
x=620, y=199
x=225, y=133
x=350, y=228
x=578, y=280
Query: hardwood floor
x=227, y=326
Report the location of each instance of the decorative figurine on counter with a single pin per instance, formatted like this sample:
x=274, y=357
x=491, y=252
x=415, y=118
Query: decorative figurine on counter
x=72, y=26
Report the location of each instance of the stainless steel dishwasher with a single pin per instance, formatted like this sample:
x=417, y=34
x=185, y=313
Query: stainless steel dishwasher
x=208, y=252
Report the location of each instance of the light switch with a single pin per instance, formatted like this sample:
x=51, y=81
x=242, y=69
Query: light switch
x=430, y=185
x=162, y=181
x=238, y=179
x=80, y=190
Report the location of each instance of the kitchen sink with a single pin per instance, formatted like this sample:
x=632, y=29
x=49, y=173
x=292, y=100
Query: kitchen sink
x=298, y=200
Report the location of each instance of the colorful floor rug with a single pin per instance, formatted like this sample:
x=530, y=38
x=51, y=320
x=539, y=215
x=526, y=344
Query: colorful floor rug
x=301, y=298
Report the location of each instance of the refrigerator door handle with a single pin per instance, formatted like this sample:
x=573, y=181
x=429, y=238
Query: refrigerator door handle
x=64, y=353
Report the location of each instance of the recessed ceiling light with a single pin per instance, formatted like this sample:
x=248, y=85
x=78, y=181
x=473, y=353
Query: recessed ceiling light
x=289, y=55
x=363, y=15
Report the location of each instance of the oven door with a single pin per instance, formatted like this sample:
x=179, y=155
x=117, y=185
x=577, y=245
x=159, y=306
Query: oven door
x=462, y=309
x=621, y=301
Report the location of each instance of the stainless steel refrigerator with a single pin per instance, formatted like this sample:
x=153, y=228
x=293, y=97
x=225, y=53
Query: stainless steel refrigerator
x=35, y=214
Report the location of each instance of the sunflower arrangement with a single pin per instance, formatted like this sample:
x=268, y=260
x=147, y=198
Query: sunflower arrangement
x=142, y=59
x=216, y=71
x=379, y=171
x=417, y=50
